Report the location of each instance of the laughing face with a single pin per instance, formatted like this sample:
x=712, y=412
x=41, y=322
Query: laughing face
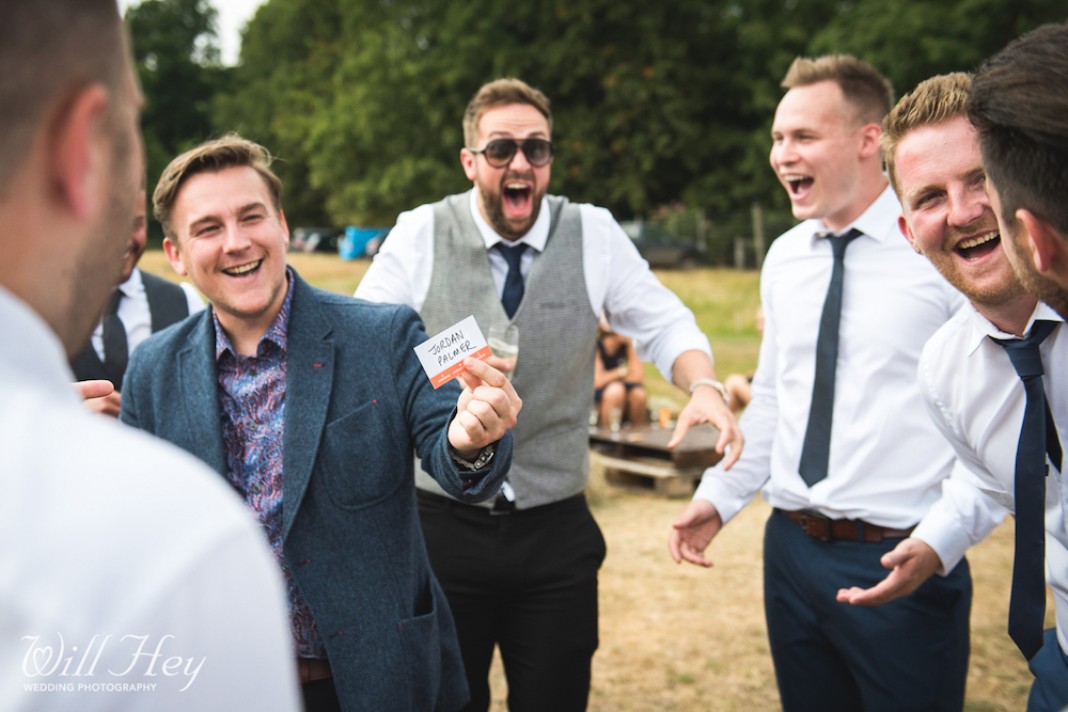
x=231, y=242
x=818, y=147
x=509, y=198
x=947, y=215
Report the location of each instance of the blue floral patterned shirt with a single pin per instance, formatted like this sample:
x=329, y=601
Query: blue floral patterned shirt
x=252, y=399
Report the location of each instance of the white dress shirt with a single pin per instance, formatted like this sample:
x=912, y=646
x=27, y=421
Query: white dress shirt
x=977, y=400
x=886, y=460
x=106, y=532
x=618, y=280
x=134, y=313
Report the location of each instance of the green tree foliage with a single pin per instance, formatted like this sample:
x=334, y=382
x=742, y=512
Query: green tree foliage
x=655, y=103
x=176, y=51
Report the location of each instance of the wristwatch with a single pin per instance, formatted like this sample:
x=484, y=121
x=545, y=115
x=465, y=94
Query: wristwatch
x=720, y=388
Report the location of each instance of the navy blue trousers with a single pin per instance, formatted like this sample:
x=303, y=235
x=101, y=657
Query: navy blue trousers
x=527, y=582
x=1050, y=667
x=910, y=654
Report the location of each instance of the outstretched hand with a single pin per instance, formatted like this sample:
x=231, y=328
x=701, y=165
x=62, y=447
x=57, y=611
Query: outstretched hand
x=911, y=563
x=486, y=409
x=707, y=406
x=693, y=531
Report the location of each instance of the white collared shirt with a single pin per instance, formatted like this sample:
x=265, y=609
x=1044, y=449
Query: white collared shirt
x=134, y=312
x=106, y=532
x=887, y=460
x=618, y=280
x=977, y=400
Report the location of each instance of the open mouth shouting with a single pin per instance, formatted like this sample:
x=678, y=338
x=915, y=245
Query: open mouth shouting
x=797, y=184
x=518, y=197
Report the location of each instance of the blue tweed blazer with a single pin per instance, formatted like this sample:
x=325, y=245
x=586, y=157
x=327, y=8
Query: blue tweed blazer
x=357, y=405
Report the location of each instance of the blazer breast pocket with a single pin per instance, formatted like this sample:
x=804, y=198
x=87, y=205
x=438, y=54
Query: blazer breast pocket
x=362, y=461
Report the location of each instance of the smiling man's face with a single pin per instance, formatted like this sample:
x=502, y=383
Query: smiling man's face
x=947, y=215
x=509, y=198
x=231, y=242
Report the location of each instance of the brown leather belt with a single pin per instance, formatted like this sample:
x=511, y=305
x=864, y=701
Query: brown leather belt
x=824, y=528
x=311, y=670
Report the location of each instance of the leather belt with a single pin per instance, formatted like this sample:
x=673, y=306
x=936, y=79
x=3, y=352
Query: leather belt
x=311, y=669
x=824, y=528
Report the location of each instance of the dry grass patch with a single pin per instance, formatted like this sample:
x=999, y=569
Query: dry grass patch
x=678, y=638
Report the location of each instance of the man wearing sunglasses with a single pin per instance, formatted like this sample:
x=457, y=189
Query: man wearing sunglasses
x=521, y=572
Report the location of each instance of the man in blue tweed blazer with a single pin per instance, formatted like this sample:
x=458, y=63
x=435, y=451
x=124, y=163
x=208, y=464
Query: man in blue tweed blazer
x=310, y=404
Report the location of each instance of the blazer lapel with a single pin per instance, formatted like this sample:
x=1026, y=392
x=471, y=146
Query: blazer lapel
x=198, y=391
x=309, y=380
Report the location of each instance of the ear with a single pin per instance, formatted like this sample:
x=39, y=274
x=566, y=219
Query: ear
x=174, y=256
x=467, y=160
x=78, y=154
x=869, y=140
x=906, y=230
x=1047, y=246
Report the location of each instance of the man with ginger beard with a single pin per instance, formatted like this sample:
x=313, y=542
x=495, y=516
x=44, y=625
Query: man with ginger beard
x=970, y=384
x=522, y=573
x=836, y=434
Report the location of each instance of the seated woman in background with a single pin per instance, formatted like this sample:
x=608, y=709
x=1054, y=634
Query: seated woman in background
x=617, y=380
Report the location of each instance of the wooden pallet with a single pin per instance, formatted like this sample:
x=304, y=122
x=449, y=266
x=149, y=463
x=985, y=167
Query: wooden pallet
x=639, y=457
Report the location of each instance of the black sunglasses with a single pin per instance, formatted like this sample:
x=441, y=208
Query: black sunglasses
x=500, y=151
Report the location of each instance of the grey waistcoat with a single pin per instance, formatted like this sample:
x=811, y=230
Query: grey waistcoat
x=557, y=342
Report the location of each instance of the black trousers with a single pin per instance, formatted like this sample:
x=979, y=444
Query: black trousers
x=910, y=654
x=526, y=581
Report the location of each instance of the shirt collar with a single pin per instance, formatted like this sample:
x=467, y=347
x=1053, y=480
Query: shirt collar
x=133, y=284
x=873, y=221
x=536, y=237
x=277, y=333
x=979, y=327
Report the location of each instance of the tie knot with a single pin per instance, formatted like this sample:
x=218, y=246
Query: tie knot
x=1024, y=352
x=512, y=253
x=839, y=243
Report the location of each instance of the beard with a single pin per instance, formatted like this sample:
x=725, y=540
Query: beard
x=493, y=204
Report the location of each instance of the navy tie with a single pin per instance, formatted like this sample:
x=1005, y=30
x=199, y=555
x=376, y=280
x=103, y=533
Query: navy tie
x=513, y=283
x=116, y=350
x=815, y=452
x=1038, y=438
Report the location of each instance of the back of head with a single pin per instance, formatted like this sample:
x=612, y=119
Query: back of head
x=230, y=151
x=932, y=102
x=502, y=92
x=50, y=50
x=1020, y=106
x=868, y=91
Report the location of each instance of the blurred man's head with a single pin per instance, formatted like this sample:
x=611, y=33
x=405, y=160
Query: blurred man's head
x=508, y=156
x=221, y=209
x=825, y=137
x=70, y=154
x=932, y=156
x=1020, y=106
x=135, y=246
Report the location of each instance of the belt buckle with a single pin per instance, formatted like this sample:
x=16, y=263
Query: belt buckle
x=815, y=525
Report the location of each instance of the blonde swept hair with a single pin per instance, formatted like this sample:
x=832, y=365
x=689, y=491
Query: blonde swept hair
x=229, y=151
x=868, y=91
